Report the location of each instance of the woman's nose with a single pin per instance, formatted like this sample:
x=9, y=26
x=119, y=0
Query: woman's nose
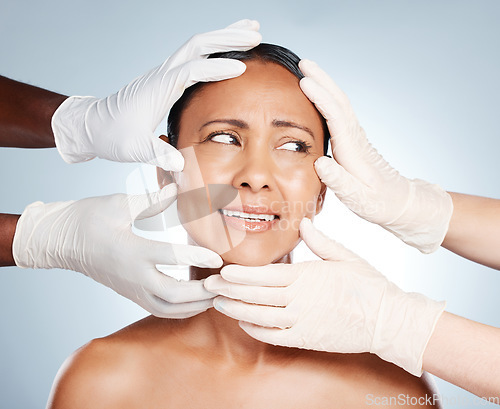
x=255, y=171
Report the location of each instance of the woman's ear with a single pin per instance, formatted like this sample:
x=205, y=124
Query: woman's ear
x=164, y=177
x=321, y=198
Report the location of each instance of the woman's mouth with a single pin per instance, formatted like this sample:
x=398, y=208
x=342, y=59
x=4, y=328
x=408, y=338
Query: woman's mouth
x=251, y=221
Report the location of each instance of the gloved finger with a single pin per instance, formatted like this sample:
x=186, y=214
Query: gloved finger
x=215, y=69
x=339, y=180
x=245, y=24
x=180, y=254
x=274, y=296
x=150, y=204
x=327, y=104
x=311, y=69
x=340, y=122
x=178, y=292
x=163, y=309
x=323, y=246
x=272, y=275
x=257, y=314
x=189, y=314
x=348, y=142
x=185, y=75
x=273, y=336
x=353, y=192
x=165, y=156
x=240, y=36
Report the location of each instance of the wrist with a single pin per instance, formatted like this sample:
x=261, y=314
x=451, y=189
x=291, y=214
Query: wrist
x=8, y=223
x=404, y=327
x=38, y=236
x=71, y=134
x=426, y=218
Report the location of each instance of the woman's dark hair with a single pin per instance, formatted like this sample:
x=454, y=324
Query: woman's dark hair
x=263, y=52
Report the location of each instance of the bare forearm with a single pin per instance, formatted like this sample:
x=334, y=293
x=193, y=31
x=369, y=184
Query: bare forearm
x=8, y=223
x=474, y=231
x=25, y=115
x=465, y=353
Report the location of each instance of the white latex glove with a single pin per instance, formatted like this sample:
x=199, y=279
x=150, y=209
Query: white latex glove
x=414, y=210
x=93, y=236
x=120, y=127
x=339, y=304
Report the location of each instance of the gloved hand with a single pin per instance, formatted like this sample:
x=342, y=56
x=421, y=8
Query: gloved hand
x=93, y=236
x=120, y=127
x=339, y=304
x=415, y=211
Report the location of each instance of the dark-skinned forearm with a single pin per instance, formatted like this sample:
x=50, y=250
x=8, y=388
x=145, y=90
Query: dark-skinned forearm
x=8, y=223
x=25, y=115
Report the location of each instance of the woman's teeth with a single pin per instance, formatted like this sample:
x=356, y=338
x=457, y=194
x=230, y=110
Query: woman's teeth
x=251, y=217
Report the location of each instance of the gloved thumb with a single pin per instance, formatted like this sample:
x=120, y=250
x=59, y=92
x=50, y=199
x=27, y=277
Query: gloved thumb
x=336, y=177
x=322, y=245
x=150, y=204
x=166, y=156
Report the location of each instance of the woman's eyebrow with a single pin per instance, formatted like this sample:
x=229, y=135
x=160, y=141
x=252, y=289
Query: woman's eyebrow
x=234, y=122
x=287, y=124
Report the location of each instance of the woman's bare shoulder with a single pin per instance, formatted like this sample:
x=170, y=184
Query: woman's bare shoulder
x=370, y=381
x=109, y=372
x=389, y=385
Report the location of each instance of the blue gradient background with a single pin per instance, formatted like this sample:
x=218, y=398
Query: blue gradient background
x=422, y=77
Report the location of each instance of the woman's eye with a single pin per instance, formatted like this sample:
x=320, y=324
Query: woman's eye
x=294, y=147
x=224, y=138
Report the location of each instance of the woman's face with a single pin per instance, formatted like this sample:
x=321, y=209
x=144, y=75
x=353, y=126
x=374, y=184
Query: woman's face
x=252, y=142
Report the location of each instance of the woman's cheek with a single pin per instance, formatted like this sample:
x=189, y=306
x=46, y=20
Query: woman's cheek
x=217, y=164
x=303, y=184
x=302, y=197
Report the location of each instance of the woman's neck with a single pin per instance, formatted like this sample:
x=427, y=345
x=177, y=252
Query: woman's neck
x=221, y=334
x=223, y=339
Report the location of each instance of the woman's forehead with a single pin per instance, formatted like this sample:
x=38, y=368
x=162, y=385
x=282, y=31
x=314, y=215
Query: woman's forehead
x=265, y=88
x=258, y=76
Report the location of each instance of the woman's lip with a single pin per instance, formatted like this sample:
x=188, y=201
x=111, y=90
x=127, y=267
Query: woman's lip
x=251, y=226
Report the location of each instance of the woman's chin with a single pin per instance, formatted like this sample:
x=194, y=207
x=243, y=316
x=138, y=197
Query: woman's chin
x=252, y=249
x=245, y=260
x=252, y=256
